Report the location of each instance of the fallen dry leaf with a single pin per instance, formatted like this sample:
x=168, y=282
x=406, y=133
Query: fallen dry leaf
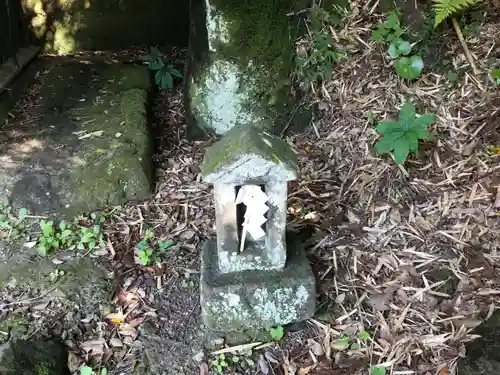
x=304, y=370
x=135, y=322
x=263, y=366
x=187, y=235
x=315, y=347
x=115, y=342
x=94, y=347
x=204, y=369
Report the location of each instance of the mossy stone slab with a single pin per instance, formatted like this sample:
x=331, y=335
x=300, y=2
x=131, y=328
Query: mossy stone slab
x=90, y=146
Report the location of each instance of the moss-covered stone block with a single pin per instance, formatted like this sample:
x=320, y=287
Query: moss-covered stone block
x=254, y=300
x=241, y=56
x=91, y=147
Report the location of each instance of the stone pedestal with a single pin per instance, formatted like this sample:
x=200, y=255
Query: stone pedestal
x=252, y=299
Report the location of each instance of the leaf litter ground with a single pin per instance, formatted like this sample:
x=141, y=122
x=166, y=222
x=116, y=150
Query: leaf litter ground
x=405, y=253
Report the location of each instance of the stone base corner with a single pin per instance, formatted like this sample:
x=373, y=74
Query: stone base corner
x=256, y=300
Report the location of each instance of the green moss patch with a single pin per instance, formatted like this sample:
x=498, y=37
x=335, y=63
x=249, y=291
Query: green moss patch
x=93, y=146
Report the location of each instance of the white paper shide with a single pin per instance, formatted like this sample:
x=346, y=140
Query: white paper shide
x=255, y=201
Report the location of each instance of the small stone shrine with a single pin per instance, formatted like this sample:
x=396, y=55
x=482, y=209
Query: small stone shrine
x=253, y=275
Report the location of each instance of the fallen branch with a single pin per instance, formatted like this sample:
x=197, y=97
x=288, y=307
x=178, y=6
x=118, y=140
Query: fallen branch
x=464, y=46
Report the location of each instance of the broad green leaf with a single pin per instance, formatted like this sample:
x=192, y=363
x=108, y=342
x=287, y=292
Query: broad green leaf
x=409, y=67
x=167, y=80
x=23, y=212
x=379, y=34
x=399, y=47
x=175, y=73
x=42, y=250
x=277, y=333
x=401, y=149
x=104, y=371
x=158, y=77
x=86, y=370
x=66, y=233
x=417, y=63
x=412, y=139
x=165, y=245
x=422, y=133
x=47, y=227
x=392, y=21
x=155, y=52
x=407, y=115
x=452, y=76
x=425, y=120
x=393, y=51
x=377, y=370
x=384, y=146
x=363, y=335
x=404, y=47
x=387, y=127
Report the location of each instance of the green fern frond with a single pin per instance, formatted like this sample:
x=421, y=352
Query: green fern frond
x=446, y=8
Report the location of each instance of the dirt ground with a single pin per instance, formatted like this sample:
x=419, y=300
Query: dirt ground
x=405, y=253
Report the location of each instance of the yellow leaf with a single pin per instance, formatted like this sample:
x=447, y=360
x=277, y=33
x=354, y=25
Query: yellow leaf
x=494, y=150
x=117, y=318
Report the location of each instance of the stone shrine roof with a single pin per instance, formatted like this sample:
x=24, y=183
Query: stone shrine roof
x=247, y=154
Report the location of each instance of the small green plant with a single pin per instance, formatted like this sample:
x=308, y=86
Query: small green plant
x=66, y=235
x=165, y=71
x=147, y=252
x=399, y=48
x=402, y=136
x=341, y=343
x=388, y=31
x=315, y=60
x=408, y=67
x=445, y=9
x=277, y=333
x=12, y=225
x=495, y=75
x=364, y=336
x=86, y=370
x=219, y=364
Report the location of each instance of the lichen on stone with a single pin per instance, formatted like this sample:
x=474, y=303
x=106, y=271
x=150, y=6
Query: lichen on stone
x=246, y=76
x=280, y=305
